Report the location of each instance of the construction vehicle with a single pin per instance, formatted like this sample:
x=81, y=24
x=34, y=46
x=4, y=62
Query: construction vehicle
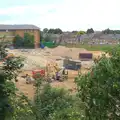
x=50, y=73
x=54, y=72
x=36, y=73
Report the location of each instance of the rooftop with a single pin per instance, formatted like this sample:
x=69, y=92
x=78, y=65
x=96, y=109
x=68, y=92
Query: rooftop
x=18, y=27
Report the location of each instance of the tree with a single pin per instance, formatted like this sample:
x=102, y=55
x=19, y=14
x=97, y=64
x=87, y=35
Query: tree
x=53, y=103
x=47, y=38
x=58, y=31
x=99, y=90
x=18, y=41
x=45, y=30
x=51, y=31
x=8, y=72
x=28, y=40
x=55, y=31
x=79, y=34
x=89, y=31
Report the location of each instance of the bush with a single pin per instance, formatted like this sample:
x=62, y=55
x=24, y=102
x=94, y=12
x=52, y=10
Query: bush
x=18, y=41
x=28, y=40
x=51, y=101
x=99, y=90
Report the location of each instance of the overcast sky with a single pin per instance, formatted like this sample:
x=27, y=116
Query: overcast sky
x=64, y=14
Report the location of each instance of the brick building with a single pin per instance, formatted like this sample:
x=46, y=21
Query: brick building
x=10, y=31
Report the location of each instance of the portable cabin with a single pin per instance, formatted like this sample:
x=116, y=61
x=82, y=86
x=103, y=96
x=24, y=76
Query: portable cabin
x=85, y=56
x=72, y=64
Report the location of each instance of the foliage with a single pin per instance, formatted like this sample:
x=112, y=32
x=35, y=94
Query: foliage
x=28, y=40
x=41, y=36
x=100, y=89
x=55, y=31
x=8, y=72
x=18, y=41
x=108, y=31
x=47, y=37
x=79, y=34
x=89, y=31
x=22, y=108
x=74, y=112
x=45, y=30
x=52, y=103
x=75, y=32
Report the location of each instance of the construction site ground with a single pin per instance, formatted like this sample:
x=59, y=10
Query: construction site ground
x=38, y=58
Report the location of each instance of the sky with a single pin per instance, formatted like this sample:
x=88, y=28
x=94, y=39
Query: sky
x=68, y=15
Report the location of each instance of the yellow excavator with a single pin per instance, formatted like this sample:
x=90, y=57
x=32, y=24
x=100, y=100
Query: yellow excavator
x=54, y=72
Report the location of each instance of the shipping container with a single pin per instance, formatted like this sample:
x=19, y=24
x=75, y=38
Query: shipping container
x=72, y=64
x=85, y=56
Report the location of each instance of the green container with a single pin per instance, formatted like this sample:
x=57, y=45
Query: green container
x=49, y=44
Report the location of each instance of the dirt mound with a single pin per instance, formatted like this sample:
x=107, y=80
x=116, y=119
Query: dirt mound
x=65, y=51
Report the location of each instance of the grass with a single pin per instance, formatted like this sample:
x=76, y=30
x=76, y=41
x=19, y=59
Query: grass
x=92, y=48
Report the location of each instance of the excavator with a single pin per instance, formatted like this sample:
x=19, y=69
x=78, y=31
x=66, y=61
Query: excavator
x=54, y=72
x=50, y=73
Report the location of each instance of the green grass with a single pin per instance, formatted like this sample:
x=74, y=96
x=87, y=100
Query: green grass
x=93, y=48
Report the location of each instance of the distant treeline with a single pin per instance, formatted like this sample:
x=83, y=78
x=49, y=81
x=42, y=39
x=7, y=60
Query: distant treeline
x=89, y=31
x=108, y=31
x=53, y=31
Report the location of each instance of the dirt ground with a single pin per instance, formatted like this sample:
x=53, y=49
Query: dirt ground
x=38, y=58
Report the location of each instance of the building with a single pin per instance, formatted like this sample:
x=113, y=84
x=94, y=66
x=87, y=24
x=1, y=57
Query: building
x=8, y=32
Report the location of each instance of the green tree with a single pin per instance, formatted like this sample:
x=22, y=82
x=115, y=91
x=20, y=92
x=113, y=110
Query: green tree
x=79, y=34
x=28, y=40
x=58, y=31
x=47, y=38
x=8, y=71
x=52, y=103
x=99, y=90
x=55, y=31
x=18, y=41
x=45, y=30
x=89, y=31
x=41, y=36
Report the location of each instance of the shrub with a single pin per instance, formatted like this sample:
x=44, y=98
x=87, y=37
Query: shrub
x=51, y=101
x=99, y=90
x=18, y=41
x=28, y=40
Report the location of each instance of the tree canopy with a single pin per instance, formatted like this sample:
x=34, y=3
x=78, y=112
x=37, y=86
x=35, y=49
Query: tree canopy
x=45, y=30
x=108, y=31
x=99, y=90
x=55, y=31
x=26, y=42
x=89, y=31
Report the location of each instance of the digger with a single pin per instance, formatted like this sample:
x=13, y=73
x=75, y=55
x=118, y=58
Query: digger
x=51, y=73
x=54, y=72
x=62, y=75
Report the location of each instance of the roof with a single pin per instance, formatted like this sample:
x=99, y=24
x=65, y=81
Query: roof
x=18, y=27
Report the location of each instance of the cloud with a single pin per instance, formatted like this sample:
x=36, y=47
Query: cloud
x=67, y=14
